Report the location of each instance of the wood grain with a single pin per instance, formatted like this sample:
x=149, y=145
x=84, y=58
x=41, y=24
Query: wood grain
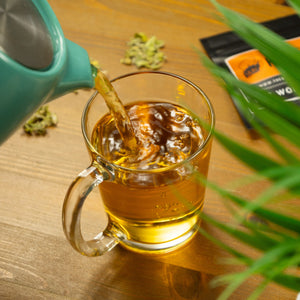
x=36, y=261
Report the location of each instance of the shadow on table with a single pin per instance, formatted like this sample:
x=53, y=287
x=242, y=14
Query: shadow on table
x=127, y=275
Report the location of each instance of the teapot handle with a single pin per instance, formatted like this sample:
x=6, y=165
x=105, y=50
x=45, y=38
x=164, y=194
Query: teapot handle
x=77, y=193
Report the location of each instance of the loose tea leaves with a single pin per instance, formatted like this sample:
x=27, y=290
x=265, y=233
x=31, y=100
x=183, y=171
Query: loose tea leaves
x=144, y=52
x=40, y=121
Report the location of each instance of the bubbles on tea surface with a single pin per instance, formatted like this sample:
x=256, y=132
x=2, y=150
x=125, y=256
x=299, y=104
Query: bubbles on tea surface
x=166, y=134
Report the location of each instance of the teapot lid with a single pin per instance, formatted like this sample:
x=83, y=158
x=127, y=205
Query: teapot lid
x=24, y=36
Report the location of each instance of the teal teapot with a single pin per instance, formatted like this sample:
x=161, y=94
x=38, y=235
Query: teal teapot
x=37, y=64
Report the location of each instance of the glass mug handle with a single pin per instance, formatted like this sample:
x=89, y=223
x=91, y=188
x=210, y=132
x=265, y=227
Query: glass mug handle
x=77, y=193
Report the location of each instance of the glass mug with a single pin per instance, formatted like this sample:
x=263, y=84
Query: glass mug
x=152, y=210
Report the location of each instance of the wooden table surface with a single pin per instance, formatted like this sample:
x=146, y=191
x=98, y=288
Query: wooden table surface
x=36, y=261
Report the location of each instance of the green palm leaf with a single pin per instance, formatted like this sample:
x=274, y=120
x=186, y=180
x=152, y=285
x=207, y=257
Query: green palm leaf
x=279, y=240
x=295, y=5
x=270, y=264
x=286, y=222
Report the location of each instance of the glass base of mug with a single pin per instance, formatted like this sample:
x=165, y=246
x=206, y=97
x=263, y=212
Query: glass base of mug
x=162, y=247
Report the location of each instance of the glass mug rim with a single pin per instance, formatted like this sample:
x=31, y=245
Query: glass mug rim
x=161, y=169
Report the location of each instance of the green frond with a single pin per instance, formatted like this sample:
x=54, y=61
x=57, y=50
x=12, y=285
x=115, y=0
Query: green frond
x=277, y=239
x=295, y=4
x=286, y=222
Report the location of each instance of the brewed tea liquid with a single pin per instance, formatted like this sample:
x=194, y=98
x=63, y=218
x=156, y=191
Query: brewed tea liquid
x=166, y=134
x=153, y=207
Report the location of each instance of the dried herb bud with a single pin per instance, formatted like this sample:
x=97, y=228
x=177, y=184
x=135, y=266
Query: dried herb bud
x=143, y=52
x=40, y=121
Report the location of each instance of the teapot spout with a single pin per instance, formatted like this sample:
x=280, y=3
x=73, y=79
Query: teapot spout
x=78, y=71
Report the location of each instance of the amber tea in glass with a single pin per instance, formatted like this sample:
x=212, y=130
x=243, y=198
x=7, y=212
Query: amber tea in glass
x=149, y=192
